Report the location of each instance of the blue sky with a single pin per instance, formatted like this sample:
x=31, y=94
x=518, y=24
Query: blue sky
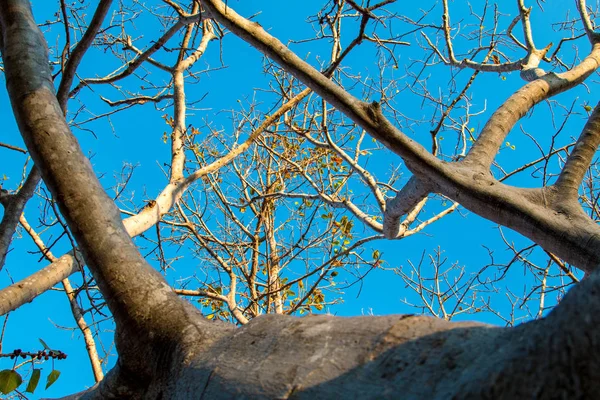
x=135, y=138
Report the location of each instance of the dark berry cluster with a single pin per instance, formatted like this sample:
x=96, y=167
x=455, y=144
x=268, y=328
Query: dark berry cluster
x=39, y=355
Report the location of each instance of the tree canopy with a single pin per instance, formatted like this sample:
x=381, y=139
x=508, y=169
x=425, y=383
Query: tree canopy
x=196, y=175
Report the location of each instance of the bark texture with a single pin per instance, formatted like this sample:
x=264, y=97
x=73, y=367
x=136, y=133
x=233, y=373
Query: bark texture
x=405, y=356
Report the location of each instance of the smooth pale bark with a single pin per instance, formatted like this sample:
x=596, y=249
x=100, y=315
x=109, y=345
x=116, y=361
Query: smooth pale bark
x=405, y=356
x=580, y=157
x=27, y=289
x=405, y=200
x=167, y=350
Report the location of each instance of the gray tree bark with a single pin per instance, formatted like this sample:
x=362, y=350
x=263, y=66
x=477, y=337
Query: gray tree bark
x=168, y=350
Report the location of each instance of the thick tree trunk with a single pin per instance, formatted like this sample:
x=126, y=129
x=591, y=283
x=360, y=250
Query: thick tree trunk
x=407, y=357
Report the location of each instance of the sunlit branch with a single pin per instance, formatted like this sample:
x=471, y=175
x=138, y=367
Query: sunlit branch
x=366, y=115
x=587, y=22
x=410, y=197
x=581, y=156
x=494, y=133
x=331, y=199
x=230, y=299
x=529, y=62
x=76, y=310
x=11, y=147
x=536, y=161
x=128, y=45
x=324, y=269
x=525, y=14
x=431, y=220
x=136, y=62
x=136, y=100
x=179, y=112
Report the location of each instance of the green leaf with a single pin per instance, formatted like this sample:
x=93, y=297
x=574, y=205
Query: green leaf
x=9, y=380
x=587, y=108
x=34, y=380
x=44, y=344
x=53, y=377
x=376, y=255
